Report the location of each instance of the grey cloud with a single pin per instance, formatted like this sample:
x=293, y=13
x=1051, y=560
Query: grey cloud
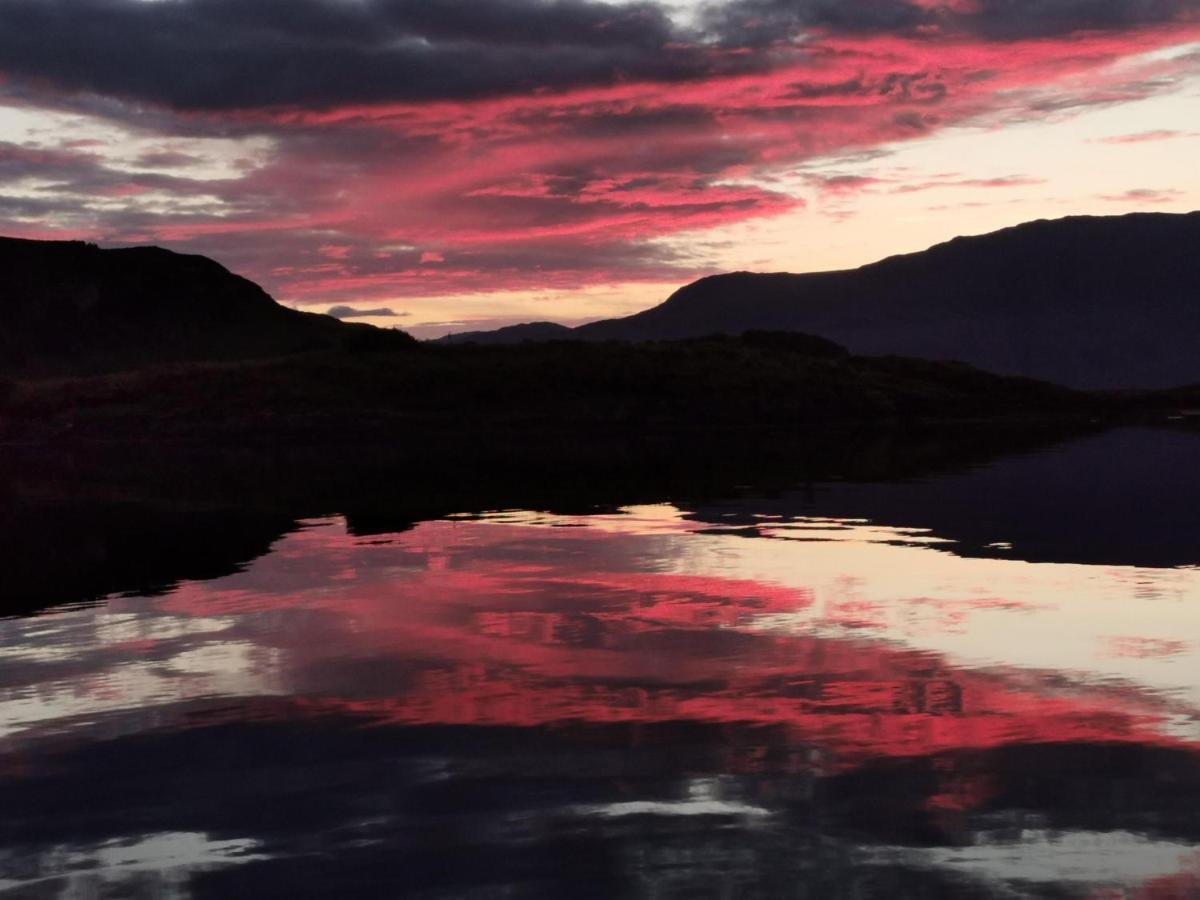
x=167, y=159
x=228, y=54
x=762, y=22
x=1006, y=19
x=1142, y=195
x=349, y=312
x=220, y=54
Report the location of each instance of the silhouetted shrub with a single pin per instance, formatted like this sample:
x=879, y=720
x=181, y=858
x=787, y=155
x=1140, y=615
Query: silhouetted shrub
x=368, y=339
x=795, y=342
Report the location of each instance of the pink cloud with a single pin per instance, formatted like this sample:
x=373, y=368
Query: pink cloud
x=571, y=187
x=335, y=251
x=1009, y=181
x=1144, y=137
x=1142, y=195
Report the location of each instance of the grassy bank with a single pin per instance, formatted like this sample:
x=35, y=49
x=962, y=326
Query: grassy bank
x=574, y=394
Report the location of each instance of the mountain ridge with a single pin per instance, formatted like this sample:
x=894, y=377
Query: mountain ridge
x=71, y=307
x=1086, y=301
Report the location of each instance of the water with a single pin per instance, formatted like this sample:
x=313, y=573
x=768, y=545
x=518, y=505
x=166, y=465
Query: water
x=980, y=684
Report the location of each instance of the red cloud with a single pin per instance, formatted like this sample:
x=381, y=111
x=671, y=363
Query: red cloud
x=564, y=188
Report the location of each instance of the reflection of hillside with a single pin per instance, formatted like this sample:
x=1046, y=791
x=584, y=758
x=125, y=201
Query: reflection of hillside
x=79, y=530
x=1129, y=497
x=79, y=526
x=63, y=551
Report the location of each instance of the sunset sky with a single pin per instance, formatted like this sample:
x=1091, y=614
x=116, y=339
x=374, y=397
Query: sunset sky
x=469, y=163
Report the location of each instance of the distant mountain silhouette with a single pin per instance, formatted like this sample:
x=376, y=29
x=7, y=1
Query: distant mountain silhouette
x=514, y=334
x=1090, y=302
x=68, y=307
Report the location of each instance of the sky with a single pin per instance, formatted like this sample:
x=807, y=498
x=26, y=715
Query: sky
x=444, y=165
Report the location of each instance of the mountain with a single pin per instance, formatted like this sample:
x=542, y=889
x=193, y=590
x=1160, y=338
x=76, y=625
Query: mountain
x=1090, y=302
x=513, y=334
x=67, y=307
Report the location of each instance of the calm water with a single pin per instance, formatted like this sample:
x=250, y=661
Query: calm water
x=980, y=684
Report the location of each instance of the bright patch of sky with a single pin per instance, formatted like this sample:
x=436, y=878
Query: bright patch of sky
x=210, y=158
x=973, y=179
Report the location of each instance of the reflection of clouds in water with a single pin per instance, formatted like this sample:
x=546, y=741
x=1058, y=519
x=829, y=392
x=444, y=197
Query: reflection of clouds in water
x=704, y=797
x=875, y=581
x=227, y=669
x=156, y=865
x=527, y=614
x=60, y=635
x=80, y=666
x=1084, y=857
x=927, y=598
x=992, y=612
x=304, y=561
x=704, y=699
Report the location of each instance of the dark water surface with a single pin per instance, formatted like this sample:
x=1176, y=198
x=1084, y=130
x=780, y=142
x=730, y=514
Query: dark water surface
x=976, y=684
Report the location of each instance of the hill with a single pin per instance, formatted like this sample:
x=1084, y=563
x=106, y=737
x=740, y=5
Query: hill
x=1090, y=302
x=153, y=348
x=513, y=334
x=567, y=399
x=67, y=307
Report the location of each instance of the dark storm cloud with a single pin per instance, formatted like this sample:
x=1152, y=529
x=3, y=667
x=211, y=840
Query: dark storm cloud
x=753, y=22
x=228, y=54
x=1005, y=19
x=758, y=22
x=220, y=54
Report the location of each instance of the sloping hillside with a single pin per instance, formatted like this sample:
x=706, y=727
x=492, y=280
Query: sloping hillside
x=67, y=307
x=1091, y=302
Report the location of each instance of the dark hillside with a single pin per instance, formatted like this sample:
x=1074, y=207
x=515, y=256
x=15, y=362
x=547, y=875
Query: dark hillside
x=67, y=307
x=1090, y=302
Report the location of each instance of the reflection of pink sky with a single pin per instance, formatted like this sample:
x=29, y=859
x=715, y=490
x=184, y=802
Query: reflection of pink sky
x=491, y=623
x=852, y=642
x=807, y=656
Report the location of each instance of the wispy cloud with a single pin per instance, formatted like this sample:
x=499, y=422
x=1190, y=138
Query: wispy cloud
x=1143, y=137
x=350, y=312
x=1142, y=195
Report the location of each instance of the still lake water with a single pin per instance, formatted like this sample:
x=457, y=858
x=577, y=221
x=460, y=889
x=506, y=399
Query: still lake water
x=977, y=684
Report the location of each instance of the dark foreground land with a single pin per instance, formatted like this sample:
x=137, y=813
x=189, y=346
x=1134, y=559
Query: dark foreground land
x=561, y=402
